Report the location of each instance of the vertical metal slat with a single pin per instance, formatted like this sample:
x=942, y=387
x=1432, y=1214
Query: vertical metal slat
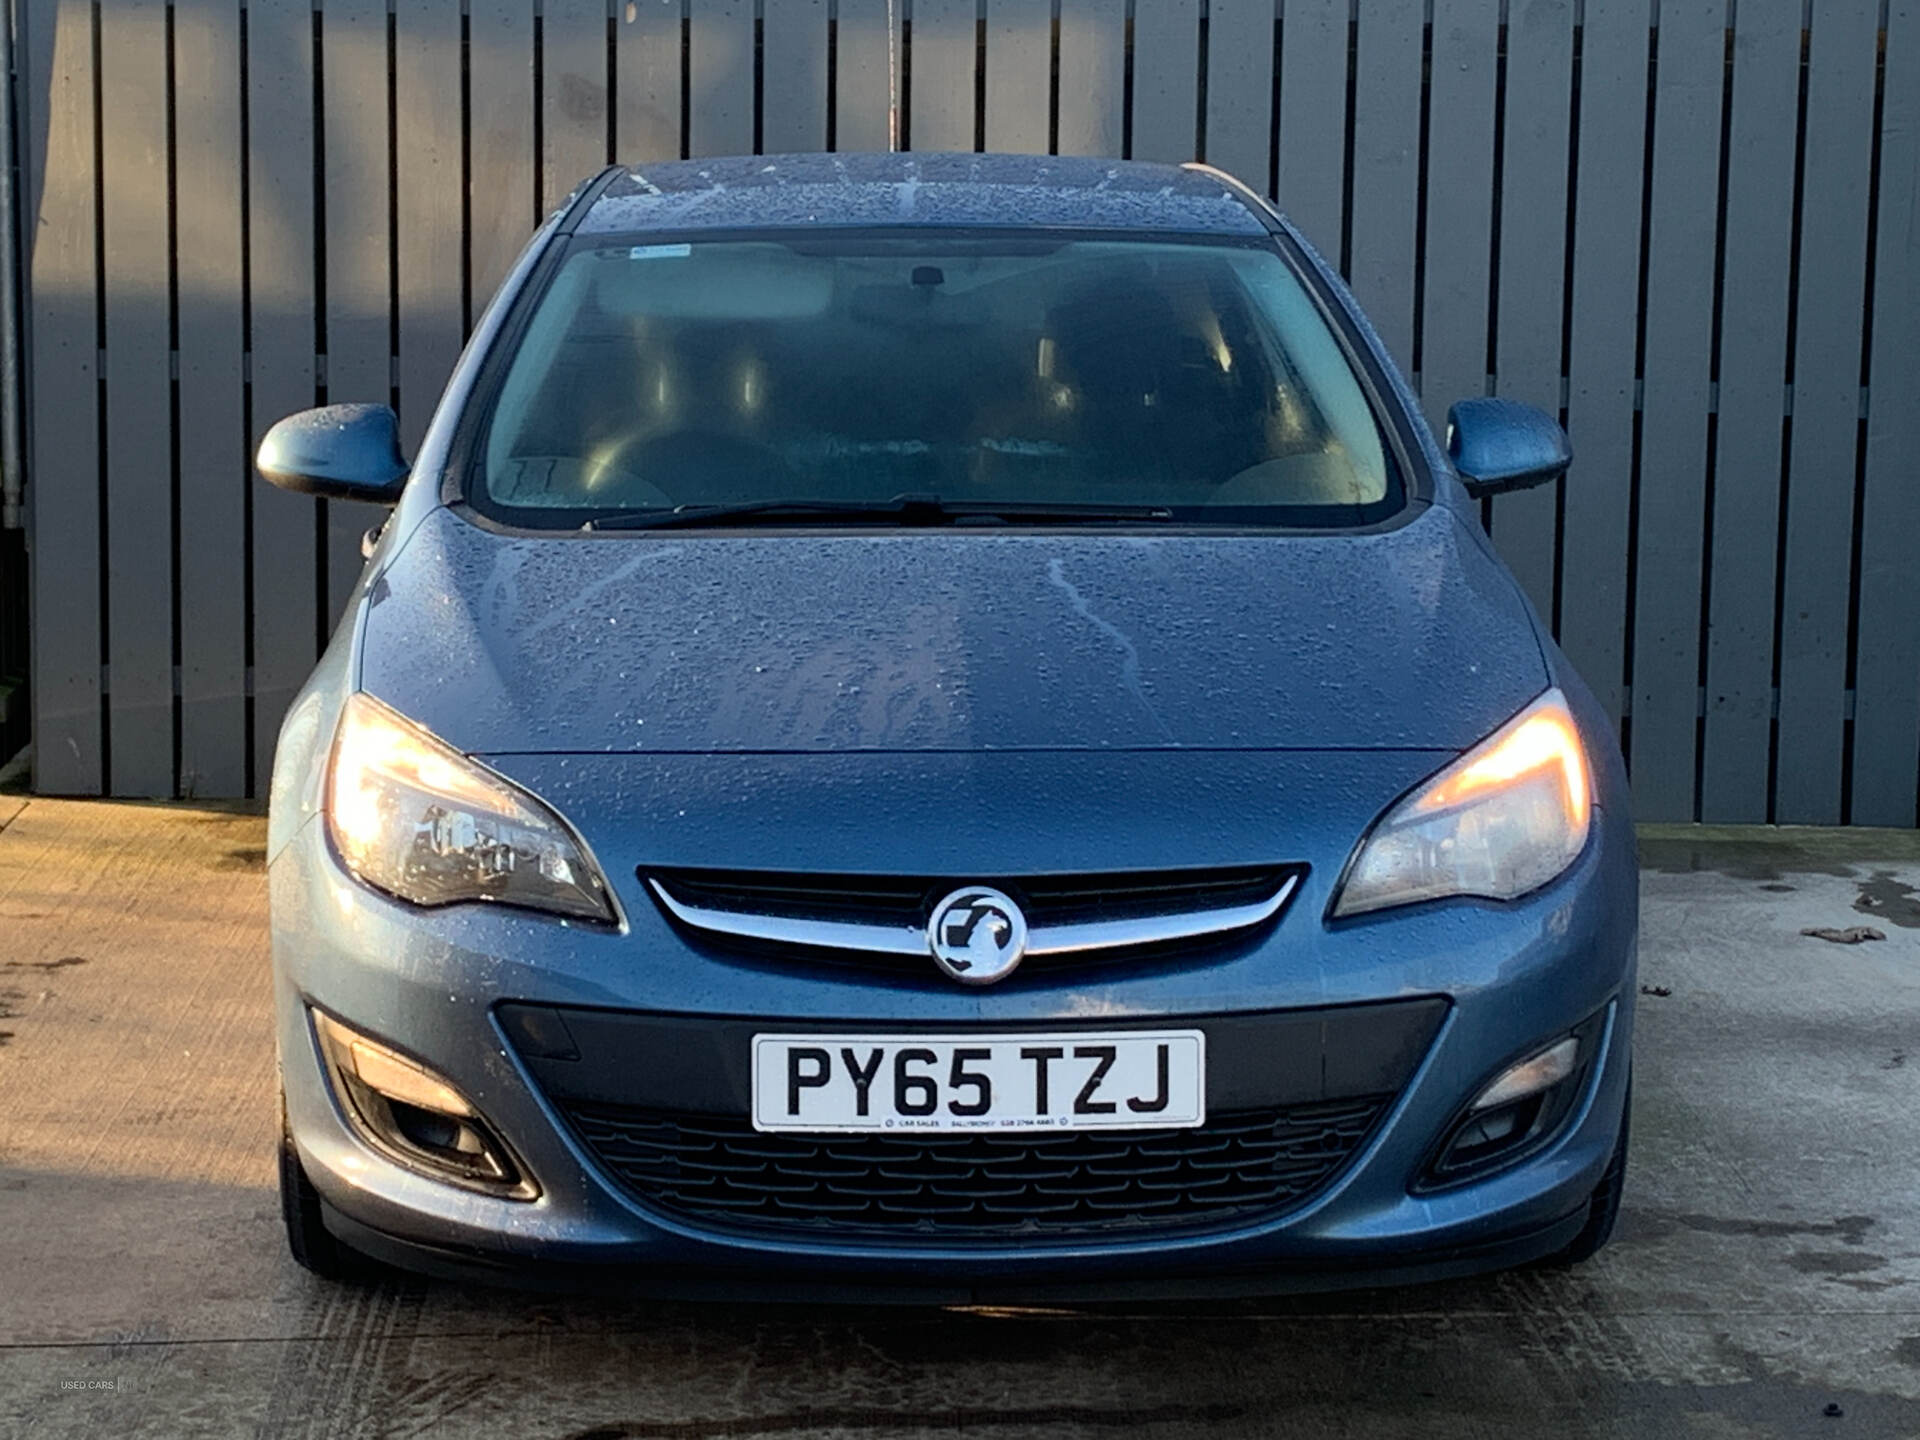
x=1886, y=737
x=720, y=105
x=866, y=75
x=1240, y=90
x=1682, y=223
x=940, y=103
x=1828, y=313
x=1386, y=175
x=1019, y=75
x=1093, y=76
x=280, y=241
x=1606, y=295
x=62, y=383
x=1313, y=120
x=501, y=204
x=1459, y=219
x=573, y=95
x=1762, y=121
x=359, y=219
x=428, y=191
x=1166, y=79
x=133, y=57
x=1532, y=289
x=214, y=465
x=794, y=84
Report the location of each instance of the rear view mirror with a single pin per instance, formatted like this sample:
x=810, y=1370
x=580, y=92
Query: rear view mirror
x=345, y=452
x=1500, y=445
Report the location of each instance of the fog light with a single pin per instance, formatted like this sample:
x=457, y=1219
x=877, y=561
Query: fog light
x=1517, y=1112
x=1530, y=1077
x=414, y=1117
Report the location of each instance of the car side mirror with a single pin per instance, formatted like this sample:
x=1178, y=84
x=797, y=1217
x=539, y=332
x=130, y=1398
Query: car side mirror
x=345, y=452
x=1501, y=445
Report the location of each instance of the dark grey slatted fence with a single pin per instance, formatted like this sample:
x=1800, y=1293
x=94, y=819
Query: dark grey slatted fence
x=1690, y=231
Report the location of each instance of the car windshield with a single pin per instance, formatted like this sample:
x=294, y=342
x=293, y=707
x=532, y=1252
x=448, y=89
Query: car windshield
x=820, y=379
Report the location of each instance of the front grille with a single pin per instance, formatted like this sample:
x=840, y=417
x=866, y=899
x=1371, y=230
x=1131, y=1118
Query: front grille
x=784, y=914
x=909, y=898
x=1241, y=1165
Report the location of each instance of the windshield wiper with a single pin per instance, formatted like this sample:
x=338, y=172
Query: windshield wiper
x=691, y=515
x=901, y=510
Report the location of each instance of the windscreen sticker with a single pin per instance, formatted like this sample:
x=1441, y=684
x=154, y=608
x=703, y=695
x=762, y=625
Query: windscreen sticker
x=660, y=252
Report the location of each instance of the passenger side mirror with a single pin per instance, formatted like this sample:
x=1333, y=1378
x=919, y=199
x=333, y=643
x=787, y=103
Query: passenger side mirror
x=345, y=452
x=1501, y=445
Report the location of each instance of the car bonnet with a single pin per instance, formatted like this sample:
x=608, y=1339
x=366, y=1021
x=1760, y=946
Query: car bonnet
x=813, y=640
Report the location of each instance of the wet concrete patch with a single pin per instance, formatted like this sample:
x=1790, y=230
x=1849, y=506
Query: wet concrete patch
x=1847, y=1229
x=1769, y=854
x=869, y=1420
x=1764, y=1404
x=1887, y=897
x=61, y=964
x=12, y=1007
x=1835, y=1263
x=227, y=812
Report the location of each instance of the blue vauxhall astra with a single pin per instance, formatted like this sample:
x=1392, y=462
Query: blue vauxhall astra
x=940, y=727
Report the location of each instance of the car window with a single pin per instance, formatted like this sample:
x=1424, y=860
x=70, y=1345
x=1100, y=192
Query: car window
x=1196, y=378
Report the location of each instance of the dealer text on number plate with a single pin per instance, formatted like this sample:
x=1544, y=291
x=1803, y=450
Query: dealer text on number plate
x=1120, y=1080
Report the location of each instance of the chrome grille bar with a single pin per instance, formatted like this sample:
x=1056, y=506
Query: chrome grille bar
x=794, y=929
x=892, y=938
x=1156, y=929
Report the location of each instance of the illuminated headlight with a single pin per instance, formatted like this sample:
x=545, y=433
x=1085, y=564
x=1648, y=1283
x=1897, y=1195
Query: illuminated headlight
x=1502, y=820
x=412, y=816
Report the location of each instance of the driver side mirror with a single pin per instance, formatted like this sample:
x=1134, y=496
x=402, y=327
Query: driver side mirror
x=344, y=452
x=1501, y=445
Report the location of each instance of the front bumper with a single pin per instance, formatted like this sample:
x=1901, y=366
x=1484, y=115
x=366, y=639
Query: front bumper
x=836, y=1287
x=1512, y=977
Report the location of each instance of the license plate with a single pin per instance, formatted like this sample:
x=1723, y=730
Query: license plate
x=1121, y=1080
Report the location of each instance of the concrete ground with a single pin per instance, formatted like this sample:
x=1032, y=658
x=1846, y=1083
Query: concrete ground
x=1765, y=1281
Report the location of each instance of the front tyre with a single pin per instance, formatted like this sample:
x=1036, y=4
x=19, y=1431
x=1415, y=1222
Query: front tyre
x=309, y=1241
x=1603, y=1210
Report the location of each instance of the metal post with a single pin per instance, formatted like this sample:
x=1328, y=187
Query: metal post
x=893, y=77
x=12, y=448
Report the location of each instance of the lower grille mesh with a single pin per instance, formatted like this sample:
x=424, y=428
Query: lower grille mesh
x=709, y=1167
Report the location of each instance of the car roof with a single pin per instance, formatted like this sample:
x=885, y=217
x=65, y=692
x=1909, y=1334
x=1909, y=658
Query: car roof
x=920, y=189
